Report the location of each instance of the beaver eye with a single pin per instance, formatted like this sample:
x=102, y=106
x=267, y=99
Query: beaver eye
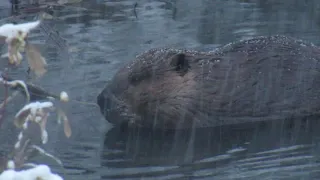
x=135, y=79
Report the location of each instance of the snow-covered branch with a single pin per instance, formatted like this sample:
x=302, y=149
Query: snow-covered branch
x=32, y=118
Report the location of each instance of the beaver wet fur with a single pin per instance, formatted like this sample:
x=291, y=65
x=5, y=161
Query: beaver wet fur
x=260, y=79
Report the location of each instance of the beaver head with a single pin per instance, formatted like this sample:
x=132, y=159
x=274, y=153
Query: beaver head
x=157, y=89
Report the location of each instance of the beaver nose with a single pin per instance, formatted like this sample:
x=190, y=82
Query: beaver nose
x=105, y=103
x=113, y=109
x=109, y=104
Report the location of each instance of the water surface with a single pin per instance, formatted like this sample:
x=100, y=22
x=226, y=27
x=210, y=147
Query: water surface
x=86, y=44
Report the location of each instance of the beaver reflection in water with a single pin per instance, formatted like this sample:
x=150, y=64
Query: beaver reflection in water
x=261, y=79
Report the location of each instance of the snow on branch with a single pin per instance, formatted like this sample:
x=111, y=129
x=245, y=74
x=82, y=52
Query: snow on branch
x=32, y=118
x=15, y=36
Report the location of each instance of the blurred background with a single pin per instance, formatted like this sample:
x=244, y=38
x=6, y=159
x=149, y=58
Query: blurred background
x=86, y=42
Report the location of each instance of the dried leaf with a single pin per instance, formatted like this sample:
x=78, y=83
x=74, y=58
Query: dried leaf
x=36, y=62
x=21, y=119
x=66, y=125
x=44, y=134
x=15, y=46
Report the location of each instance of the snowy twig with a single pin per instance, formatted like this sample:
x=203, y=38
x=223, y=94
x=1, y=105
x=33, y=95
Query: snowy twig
x=37, y=173
x=13, y=30
x=15, y=83
x=15, y=36
x=43, y=152
x=33, y=117
x=34, y=113
x=2, y=105
x=32, y=91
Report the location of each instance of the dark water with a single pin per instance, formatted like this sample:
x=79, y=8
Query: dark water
x=102, y=35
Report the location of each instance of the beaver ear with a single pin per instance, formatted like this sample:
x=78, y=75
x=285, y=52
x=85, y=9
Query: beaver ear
x=180, y=63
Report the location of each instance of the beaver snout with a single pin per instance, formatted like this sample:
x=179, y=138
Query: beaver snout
x=103, y=103
x=112, y=108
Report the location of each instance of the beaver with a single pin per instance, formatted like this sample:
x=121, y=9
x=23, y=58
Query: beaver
x=260, y=79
